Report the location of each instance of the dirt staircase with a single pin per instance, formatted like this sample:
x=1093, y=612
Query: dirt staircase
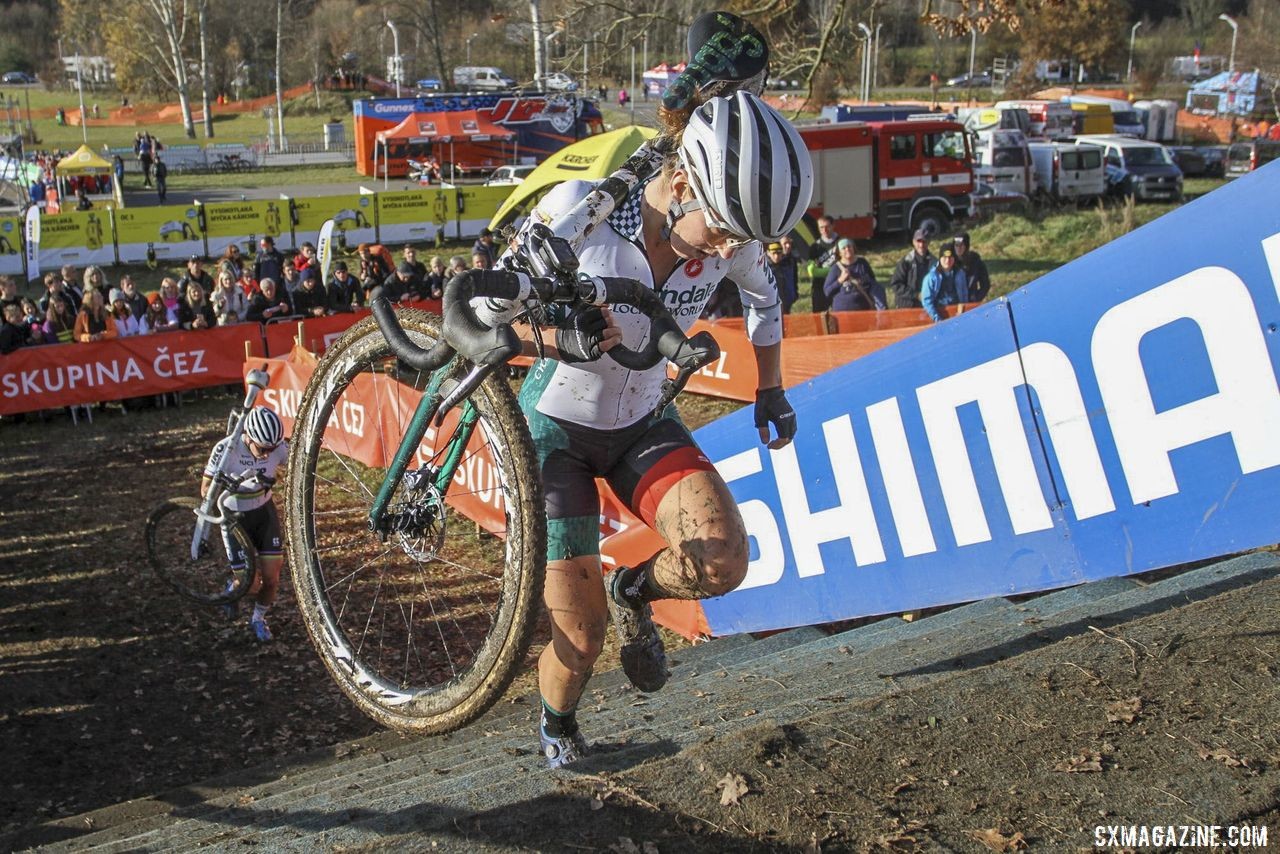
x=362, y=793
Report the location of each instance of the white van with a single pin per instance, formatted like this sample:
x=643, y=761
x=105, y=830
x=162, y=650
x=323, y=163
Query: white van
x=1001, y=158
x=1049, y=119
x=1138, y=168
x=485, y=77
x=1068, y=172
x=1126, y=118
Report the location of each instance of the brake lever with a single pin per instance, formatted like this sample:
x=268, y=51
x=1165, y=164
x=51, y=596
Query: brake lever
x=695, y=354
x=465, y=386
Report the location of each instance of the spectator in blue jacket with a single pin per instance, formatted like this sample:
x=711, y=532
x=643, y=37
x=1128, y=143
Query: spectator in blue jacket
x=945, y=284
x=851, y=285
x=269, y=262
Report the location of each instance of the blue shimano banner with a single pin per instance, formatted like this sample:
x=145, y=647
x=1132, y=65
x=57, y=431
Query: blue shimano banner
x=1117, y=415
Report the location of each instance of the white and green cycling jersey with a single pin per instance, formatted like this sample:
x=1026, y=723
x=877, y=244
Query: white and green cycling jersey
x=603, y=394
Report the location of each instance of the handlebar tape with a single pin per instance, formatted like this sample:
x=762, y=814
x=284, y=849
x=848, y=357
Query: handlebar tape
x=667, y=340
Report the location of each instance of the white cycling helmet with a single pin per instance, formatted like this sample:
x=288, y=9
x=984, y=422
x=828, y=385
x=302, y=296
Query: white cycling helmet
x=748, y=166
x=264, y=427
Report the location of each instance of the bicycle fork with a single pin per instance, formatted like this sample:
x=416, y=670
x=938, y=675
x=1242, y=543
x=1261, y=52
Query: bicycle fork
x=440, y=476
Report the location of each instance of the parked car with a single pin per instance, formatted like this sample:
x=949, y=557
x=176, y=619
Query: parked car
x=1215, y=161
x=558, y=81
x=1244, y=157
x=429, y=84
x=1189, y=160
x=980, y=79
x=985, y=201
x=486, y=77
x=509, y=175
x=18, y=77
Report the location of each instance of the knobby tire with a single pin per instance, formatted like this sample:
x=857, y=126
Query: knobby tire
x=168, y=541
x=423, y=630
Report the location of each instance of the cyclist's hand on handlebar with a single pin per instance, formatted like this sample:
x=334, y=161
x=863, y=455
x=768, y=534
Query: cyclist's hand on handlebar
x=227, y=480
x=586, y=334
x=772, y=408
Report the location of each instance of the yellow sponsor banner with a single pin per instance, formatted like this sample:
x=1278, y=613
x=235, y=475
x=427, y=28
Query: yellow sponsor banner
x=160, y=234
x=11, y=245
x=414, y=216
x=479, y=204
x=244, y=223
x=80, y=238
x=353, y=215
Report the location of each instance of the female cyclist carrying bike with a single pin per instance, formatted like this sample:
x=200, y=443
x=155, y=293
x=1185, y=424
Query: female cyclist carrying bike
x=249, y=475
x=740, y=175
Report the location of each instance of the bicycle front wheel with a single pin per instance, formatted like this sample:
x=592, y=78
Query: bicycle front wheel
x=207, y=577
x=423, y=625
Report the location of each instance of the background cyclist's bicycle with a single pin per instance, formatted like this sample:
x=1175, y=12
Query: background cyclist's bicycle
x=182, y=534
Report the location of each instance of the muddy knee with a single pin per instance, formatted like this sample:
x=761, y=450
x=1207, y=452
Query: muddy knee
x=722, y=575
x=578, y=646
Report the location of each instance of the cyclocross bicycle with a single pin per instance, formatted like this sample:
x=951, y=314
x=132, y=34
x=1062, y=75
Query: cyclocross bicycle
x=415, y=521
x=179, y=531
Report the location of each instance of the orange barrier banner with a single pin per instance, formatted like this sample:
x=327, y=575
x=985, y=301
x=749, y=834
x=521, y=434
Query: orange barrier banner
x=319, y=332
x=357, y=430
x=897, y=318
x=57, y=375
x=807, y=348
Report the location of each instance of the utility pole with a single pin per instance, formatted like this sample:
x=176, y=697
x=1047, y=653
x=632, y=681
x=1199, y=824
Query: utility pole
x=973, y=52
x=395, y=46
x=84, y=119
x=875, y=59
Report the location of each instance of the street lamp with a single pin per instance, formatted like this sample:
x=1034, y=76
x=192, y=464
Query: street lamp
x=1235, y=31
x=1133, y=31
x=866, y=61
x=469, y=38
x=546, y=52
x=395, y=42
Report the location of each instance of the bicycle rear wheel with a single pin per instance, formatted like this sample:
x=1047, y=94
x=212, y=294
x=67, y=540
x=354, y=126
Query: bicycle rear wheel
x=206, y=579
x=422, y=628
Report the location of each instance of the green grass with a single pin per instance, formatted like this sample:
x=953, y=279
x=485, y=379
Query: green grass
x=265, y=178
x=1019, y=249
x=302, y=120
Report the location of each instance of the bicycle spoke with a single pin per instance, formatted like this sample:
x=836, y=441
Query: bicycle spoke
x=417, y=621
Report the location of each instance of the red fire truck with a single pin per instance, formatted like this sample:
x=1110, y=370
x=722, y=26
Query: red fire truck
x=887, y=177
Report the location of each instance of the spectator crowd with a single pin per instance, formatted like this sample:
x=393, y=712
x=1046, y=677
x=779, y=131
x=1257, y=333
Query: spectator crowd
x=839, y=279
x=269, y=287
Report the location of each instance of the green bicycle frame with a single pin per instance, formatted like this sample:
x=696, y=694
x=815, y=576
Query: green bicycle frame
x=418, y=425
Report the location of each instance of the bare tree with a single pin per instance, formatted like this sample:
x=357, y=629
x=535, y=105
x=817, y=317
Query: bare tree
x=148, y=37
x=203, y=11
x=279, y=77
x=172, y=15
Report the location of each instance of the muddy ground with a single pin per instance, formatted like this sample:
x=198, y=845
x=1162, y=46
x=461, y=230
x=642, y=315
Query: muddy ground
x=112, y=688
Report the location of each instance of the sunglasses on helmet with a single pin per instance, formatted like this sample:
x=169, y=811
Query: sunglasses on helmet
x=723, y=234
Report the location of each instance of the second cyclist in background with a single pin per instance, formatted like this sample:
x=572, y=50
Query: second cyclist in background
x=249, y=475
